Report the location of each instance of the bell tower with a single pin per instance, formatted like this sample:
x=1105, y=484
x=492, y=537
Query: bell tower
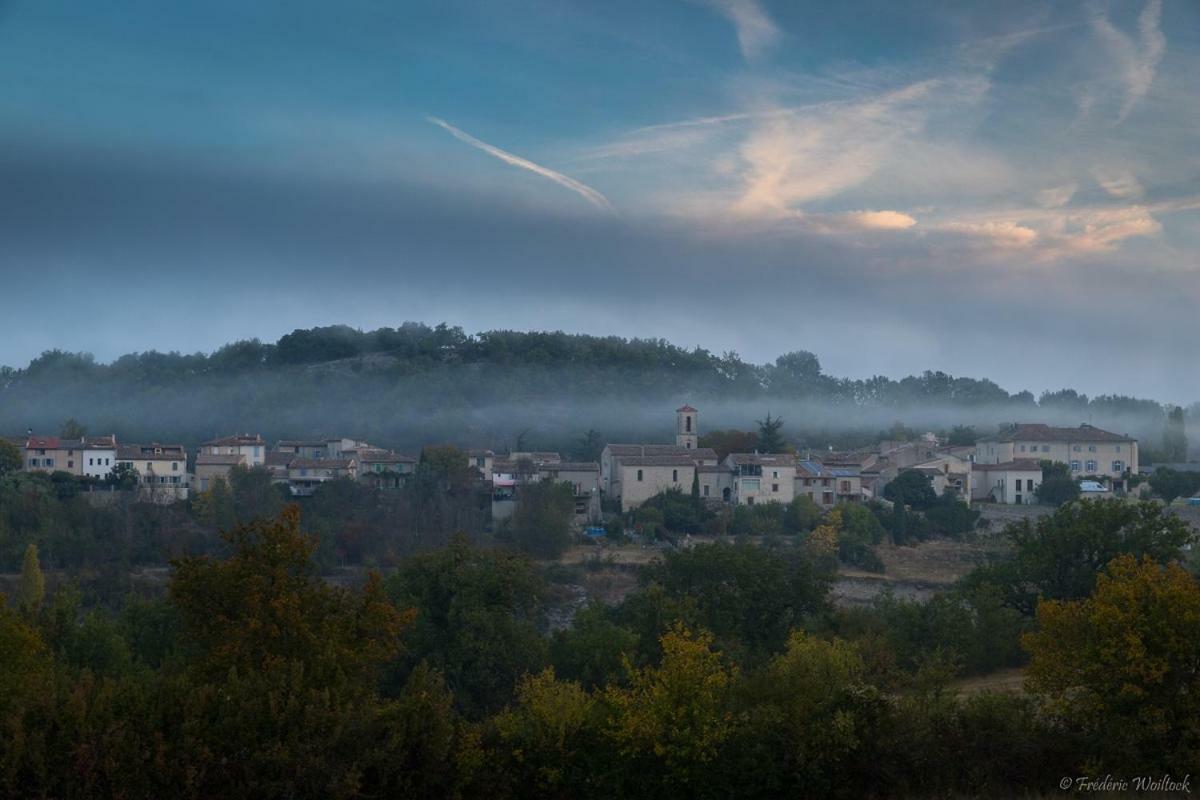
x=687, y=430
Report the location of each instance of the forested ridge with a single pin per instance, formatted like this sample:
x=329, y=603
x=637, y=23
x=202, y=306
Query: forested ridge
x=413, y=384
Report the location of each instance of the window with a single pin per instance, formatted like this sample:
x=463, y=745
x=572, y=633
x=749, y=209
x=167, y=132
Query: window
x=304, y=473
x=1029, y=484
x=775, y=474
x=91, y=462
x=827, y=498
x=688, y=424
x=1075, y=465
x=689, y=445
x=1045, y=448
x=174, y=466
x=749, y=501
x=70, y=465
x=1118, y=466
x=257, y=452
x=639, y=474
x=33, y=462
x=1091, y=466
x=1018, y=498
x=845, y=487
x=49, y=462
x=706, y=488
x=750, y=485
x=1118, y=448
x=774, y=487
x=1091, y=448
x=675, y=476
x=808, y=481
x=1022, y=448
x=826, y=482
x=1076, y=448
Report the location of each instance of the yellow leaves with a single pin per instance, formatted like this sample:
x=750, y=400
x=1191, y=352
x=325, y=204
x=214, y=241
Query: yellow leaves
x=823, y=540
x=1122, y=660
x=678, y=709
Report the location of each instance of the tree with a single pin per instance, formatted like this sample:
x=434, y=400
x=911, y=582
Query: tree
x=10, y=458
x=672, y=721
x=280, y=696
x=1175, y=444
x=1057, y=486
x=589, y=446
x=541, y=522
x=548, y=737
x=802, y=515
x=33, y=583
x=1120, y=667
x=1060, y=558
x=950, y=516
x=478, y=614
x=962, y=435
x=1169, y=484
x=748, y=597
x=770, y=438
x=730, y=441
x=911, y=488
x=71, y=429
x=123, y=477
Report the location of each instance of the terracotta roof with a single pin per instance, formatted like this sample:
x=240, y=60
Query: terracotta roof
x=277, y=458
x=571, y=466
x=235, y=439
x=42, y=443
x=295, y=443
x=699, y=453
x=1018, y=465
x=685, y=408
x=320, y=463
x=378, y=456
x=1037, y=432
x=764, y=459
x=106, y=442
x=219, y=460
x=658, y=461
x=146, y=452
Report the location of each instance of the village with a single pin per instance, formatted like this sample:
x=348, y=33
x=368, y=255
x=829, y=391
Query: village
x=1004, y=469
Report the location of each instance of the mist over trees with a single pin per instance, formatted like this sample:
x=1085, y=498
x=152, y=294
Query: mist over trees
x=414, y=384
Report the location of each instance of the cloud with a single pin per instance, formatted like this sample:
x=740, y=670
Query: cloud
x=756, y=32
x=1056, y=196
x=880, y=220
x=1001, y=235
x=588, y=193
x=809, y=156
x=1135, y=62
x=1119, y=183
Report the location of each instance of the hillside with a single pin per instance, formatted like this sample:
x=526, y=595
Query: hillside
x=415, y=384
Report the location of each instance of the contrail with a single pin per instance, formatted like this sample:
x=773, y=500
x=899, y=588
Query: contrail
x=587, y=192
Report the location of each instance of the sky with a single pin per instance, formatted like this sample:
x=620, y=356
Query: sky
x=1003, y=190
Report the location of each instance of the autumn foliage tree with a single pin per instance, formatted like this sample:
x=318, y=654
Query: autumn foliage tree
x=1121, y=669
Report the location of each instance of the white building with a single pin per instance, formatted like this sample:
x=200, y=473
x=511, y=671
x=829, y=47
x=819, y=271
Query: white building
x=761, y=477
x=251, y=447
x=99, y=456
x=1087, y=450
x=1012, y=483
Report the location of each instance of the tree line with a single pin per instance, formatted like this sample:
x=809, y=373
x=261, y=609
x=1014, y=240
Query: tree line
x=395, y=384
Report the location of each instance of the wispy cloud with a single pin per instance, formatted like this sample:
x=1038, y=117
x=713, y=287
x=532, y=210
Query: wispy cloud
x=583, y=190
x=756, y=31
x=794, y=160
x=1136, y=61
x=1119, y=183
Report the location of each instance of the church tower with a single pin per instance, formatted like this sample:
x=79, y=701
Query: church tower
x=687, y=431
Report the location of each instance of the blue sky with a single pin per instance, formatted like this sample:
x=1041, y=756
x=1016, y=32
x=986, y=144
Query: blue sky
x=1008, y=190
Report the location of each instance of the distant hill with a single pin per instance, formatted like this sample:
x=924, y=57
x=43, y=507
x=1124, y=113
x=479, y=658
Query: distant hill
x=415, y=384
